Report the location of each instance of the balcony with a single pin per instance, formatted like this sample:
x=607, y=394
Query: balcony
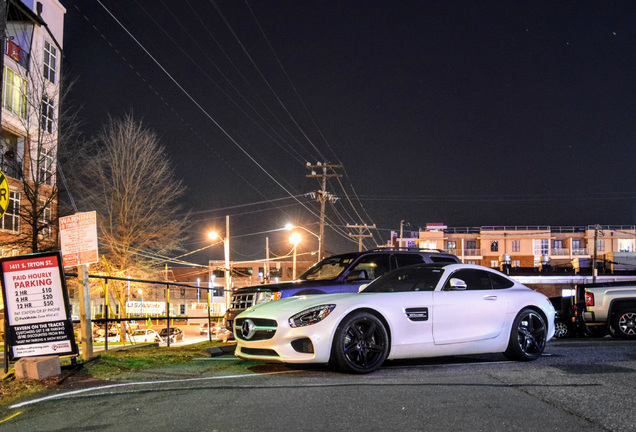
x=580, y=252
x=560, y=252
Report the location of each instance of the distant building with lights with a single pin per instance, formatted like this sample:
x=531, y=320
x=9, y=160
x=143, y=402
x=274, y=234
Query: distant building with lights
x=532, y=248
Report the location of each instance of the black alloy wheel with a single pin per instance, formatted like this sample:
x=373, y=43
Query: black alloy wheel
x=624, y=324
x=527, y=337
x=361, y=343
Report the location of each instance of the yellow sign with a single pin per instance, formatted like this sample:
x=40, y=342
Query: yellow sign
x=4, y=193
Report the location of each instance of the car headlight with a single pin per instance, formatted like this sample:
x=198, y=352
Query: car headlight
x=266, y=296
x=311, y=316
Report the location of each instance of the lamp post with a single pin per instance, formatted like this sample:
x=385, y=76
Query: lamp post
x=294, y=239
x=290, y=227
x=226, y=247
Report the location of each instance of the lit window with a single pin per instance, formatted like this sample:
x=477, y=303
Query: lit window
x=11, y=218
x=14, y=93
x=494, y=245
x=494, y=263
x=516, y=263
x=516, y=245
x=47, y=115
x=626, y=245
x=50, y=61
x=452, y=245
x=541, y=246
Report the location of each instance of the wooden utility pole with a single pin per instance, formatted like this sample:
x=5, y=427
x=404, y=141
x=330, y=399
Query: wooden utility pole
x=322, y=196
x=361, y=236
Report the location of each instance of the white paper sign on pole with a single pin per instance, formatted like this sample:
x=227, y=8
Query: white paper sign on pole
x=78, y=238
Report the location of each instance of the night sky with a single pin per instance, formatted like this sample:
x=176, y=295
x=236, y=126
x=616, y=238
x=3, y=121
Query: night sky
x=461, y=112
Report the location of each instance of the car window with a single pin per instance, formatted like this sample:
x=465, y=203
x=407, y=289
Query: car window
x=328, y=269
x=500, y=282
x=404, y=260
x=442, y=259
x=408, y=279
x=475, y=279
x=374, y=265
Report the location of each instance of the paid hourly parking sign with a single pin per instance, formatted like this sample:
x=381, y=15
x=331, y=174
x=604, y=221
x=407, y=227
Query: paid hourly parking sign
x=36, y=306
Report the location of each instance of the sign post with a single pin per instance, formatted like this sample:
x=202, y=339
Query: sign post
x=36, y=304
x=78, y=238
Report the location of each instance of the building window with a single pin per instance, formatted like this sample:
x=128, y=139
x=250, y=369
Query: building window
x=471, y=262
x=494, y=245
x=14, y=93
x=11, y=217
x=9, y=252
x=600, y=245
x=182, y=309
x=541, y=246
x=516, y=245
x=46, y=167
x=50, y=61
x=626, y=245
x=452, y=245
x=471, y=244
x=9, y=160
x=47, y=115
x=45, y=220
x=494, y=263
x=516, y=263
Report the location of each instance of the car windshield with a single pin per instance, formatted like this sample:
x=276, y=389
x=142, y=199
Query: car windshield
x=414, y=278
x=329, y=268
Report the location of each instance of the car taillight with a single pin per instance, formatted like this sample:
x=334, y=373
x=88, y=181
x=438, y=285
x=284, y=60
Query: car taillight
x=589, y=299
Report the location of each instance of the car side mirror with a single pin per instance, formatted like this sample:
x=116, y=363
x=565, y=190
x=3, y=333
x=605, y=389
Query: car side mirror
x=457, y=285
x=357, y=275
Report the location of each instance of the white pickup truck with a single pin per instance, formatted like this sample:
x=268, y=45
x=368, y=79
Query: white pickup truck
x=608, y=307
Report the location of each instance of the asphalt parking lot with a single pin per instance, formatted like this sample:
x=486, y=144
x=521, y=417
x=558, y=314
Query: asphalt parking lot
x=579, y=384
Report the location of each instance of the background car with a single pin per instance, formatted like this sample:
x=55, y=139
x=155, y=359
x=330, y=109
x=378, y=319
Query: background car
x=425, y=310
x=145, y=335
x=175, y=335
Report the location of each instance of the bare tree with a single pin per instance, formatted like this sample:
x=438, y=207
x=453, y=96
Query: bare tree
x=127, y=178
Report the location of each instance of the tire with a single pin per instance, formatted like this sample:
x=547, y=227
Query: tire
x=527, y=336
x=596, y=330
x=624, y=324
x=361, y=344
x=561, y=330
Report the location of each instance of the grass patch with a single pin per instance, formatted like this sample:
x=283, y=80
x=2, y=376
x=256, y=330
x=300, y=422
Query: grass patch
x=107, y=365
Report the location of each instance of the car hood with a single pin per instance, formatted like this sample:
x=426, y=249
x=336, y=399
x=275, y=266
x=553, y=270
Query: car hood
x=300, y=303
x=288, y=285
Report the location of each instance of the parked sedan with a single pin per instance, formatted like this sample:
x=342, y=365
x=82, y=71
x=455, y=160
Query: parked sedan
x=176, y=334
x=145, y=335
x=418, y=311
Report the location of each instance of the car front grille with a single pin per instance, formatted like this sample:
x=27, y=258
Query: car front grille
x=259, y=352
x=242, y=301
x=263, y=329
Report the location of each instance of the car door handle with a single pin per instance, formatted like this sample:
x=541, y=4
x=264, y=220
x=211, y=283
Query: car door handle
x=490, y=297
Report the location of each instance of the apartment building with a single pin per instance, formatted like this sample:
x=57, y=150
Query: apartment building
x=29, y=135
x=554, y=248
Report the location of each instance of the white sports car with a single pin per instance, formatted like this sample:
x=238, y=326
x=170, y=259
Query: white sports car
x=425, y=310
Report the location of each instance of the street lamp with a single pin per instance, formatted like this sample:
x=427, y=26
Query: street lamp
x=290, y=227
x=294, y=239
